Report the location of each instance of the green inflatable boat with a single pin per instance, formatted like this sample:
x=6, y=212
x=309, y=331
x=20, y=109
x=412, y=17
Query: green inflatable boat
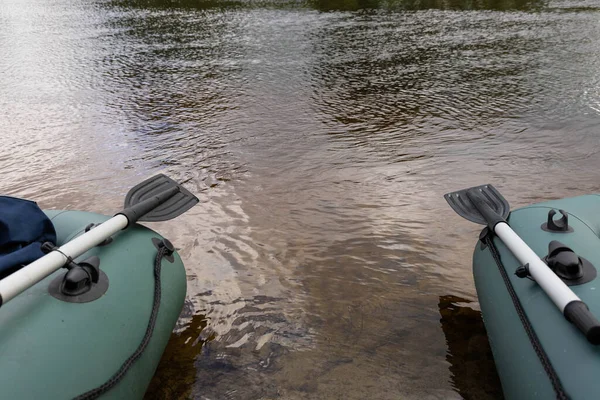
x=92, y=318
x=535, y=272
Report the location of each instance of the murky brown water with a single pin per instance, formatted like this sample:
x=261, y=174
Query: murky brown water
x=322, y=261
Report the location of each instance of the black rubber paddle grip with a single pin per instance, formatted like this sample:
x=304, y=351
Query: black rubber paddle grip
x=490, y=216
x=578, y=313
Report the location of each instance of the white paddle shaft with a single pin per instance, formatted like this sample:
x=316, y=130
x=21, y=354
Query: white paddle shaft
x=31, y=274
x=554, y=287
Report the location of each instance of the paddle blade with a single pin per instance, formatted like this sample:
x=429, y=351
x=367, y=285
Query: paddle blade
x=463, y=206
x=174, y=206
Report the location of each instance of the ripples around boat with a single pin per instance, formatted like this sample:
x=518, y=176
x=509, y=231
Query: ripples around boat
x=320, y=136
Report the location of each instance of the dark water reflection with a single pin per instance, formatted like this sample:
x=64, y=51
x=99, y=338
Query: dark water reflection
x=323, y=255
x=469, y=354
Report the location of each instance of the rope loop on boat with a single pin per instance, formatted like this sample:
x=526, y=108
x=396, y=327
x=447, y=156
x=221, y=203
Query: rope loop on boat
x=535, y=342
x=120, y=374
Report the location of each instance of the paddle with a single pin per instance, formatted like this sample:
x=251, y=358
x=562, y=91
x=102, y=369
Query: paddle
x=485, y=205
x=156, y=199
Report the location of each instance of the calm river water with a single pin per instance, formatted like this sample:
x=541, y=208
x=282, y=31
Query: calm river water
x=320, y=136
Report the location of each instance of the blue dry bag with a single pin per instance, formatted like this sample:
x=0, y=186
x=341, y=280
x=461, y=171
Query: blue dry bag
x=23, y=229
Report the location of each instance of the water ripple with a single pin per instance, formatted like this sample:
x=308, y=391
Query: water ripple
x=320, y=137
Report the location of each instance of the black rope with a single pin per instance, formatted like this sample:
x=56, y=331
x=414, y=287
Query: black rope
x=537, y=346
x=48, y=247
x=116, y=378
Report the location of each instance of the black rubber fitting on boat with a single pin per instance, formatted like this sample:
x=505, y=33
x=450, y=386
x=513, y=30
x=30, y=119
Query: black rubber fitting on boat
x=578, y=313
x=106, y=241
x=165, y=243
x=558, y=226
x=523, y=271
x=47, y=247
x=568, y=266
x=82, y=283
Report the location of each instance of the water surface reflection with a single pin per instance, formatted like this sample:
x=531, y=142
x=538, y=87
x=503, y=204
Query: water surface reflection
x=469, y=354
x=320, y=137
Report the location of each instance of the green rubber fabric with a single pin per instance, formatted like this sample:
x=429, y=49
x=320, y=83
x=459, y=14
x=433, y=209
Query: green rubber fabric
x=52, y=349
x=575, y=361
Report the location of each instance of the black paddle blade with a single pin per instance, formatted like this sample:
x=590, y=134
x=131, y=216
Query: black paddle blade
x=462, y=204
x=176, y=204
